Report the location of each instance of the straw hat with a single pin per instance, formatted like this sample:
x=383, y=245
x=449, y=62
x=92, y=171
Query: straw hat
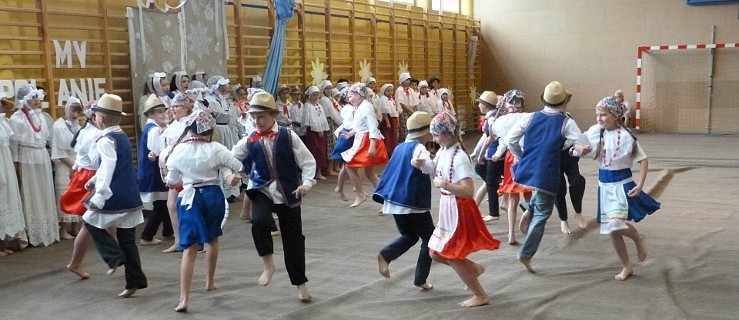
x=261, y=102
x=282, y=87
x=554, y=94
x=153, y=102
x=418, y=124
x=489, y=98
x=110, y=103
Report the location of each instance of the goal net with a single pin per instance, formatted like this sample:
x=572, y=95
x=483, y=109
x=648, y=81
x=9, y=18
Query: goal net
x=688, y=89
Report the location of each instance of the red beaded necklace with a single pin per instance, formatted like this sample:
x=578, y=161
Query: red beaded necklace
x=451, y=165
x=607, y=163
x=35, y=128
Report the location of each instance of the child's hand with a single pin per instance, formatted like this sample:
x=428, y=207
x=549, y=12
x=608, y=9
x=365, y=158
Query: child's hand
x=152, y=156
x=301, y=191
x=418, y=163
x=495, y=158
x=439, y=182
x=635, y=191
x=233, y=179
x=90, y=186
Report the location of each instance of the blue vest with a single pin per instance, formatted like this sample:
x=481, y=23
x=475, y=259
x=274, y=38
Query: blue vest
x=493, y=146
x=150, y=179
x=401, y=183
x=125, y=196
x=289, y=175
x=539, y=165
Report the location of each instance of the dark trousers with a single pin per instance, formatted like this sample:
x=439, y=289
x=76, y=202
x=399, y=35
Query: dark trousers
x=412, y=227
x=160, y=215
x=491, y=172
x=124, y=252
x=291, y=228
x=569, y=168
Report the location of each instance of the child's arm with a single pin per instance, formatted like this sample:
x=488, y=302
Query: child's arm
x=463, y=189
x=422, y=160
x=643, y=167
x=240, y=151
x=104, y=174
x=307, y=164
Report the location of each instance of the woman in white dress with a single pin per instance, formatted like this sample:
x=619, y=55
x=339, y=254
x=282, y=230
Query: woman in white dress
x=12, y=223
x=28, y=148
x=63, y=157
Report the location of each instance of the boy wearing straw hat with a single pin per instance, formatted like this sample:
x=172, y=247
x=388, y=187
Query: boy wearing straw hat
x=115, y=200
x=405, y=192
x=545, y=133
x=281, y=191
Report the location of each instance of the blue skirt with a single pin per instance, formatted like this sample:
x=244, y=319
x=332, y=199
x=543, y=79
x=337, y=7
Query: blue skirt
x=342, y=145
x=638, y=207
x=202, y=222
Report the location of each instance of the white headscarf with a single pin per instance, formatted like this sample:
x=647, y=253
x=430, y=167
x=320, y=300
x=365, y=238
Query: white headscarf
x=311, y=90
x=384, y=87
x=156, y=83
x=215, y=82
x=71, y=102
x=178, y=79
x=25, y=94
x=323, y=86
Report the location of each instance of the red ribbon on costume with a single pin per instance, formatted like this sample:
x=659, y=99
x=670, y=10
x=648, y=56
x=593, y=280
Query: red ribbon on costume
x=336, y=105
x=482, y=124
x=259, y=135
x=407, y=92
x=243, y=105
x=285, y=111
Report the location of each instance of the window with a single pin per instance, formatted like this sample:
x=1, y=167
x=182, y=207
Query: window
x=445, y=5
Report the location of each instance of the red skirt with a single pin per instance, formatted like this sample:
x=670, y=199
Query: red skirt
x=390, y=134
x=362, y=159
x=317, y=147
x=469, y=234
x=508, y=186
x=71, y=200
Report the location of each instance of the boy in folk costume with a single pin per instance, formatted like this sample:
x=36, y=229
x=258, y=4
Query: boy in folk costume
x=408, y=100
x=489, y=170
x=296, y=110
x=152, y=189
x=72, y=201
x=314, y=119
x=281, y=191
x=404, y=191
x=545, y=133
x=283, y=105
x=115, y=201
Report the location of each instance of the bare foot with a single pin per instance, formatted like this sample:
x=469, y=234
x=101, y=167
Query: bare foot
x=565, y=227
x=64, y=235
x=527, y=264
x=320, y=177
x=358, y=201
x=3, y=254
x=127, y=293
x=625, y=273
x=523, y=225
x=426, y=286
x=174, y=248
x=7, y=251
x=211, y=287
x=581, y=220
x=384, y=266
x=303, y=294
x=641, y=248
x=266, y=276
x=475, y=301
x=152, y=242
x=341, y=194
x=78, y=271
x=512, y=240
x=182, y=307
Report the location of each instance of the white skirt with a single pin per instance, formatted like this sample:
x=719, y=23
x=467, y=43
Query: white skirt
x=12, y=222
x=36, y=184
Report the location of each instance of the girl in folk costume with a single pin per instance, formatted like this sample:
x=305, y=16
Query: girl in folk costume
x=220, y=108
x=434, y=86
x=489, y=170
x=444, y=104
x=181, y=108
x=408, y=100
x=151, y=187
x=86, y=164
x=12, y=222
x=280, y=191
x=28, y=149
x=460, y=229
x=196, y=163
x=373, y=97
x=405, y=192
x=426, y=100
x=333, y=116
x=241, y=102
x=368, y=149
x=283, y=105
x=620, y=197
x=314, y=119
x=179, y=84
x=390, y=111
x=514, y=102
x=63, y=157
x=343, y=141
x=114, y=201
x=296, y=109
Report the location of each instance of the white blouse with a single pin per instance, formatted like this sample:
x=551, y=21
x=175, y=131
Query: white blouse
x=330, y=110
x=410, y=99
x=617, y=146
x=62, y=134
x=347, y=119
x=462, y=164
x=365, y=121
x=154, y=141
x=5, y=131
x=173, y=132
x=87, y=156
x=26, y=142
x=391, y=107
x=314, y=117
